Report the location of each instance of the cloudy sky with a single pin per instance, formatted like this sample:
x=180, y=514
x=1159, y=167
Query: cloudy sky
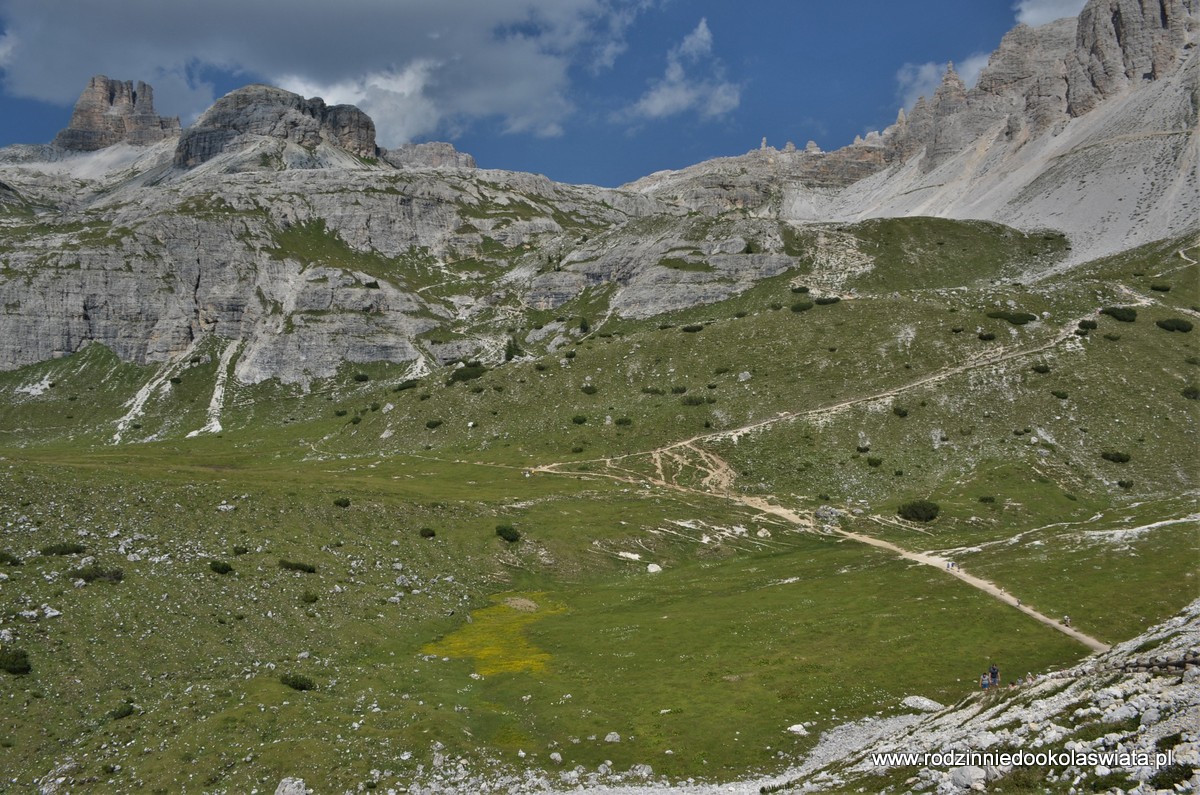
x=599, y=91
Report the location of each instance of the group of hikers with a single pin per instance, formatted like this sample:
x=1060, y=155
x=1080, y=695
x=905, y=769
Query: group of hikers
x=990, y=680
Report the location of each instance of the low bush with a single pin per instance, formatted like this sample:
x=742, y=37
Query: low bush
x=624, y=421
x=362, y=378
x=874, y=461
x=467, y=372
x=802, y=306
x=15, y=661
x=692, y=400
x=355, y=420
x=291, y=565
x=64, y=548
x=692, y=328
x=8, y=558
x=1090, y=325
x=431, y=424
x=428, y=532
x=1058, y=393
x=900, y=411
x=863, y=448
x=1125, y=484
x=409, y=383
x=1112, y=337
x=1174, y=324
x=588, y=389
x=569, y=355
x=220, y=566
x=1115, y=456
x=1125, y=314
x=175, y=380
x=1041, y=368
x=339, y=413
x=775, y=305
x=652, y=390
x=1168, y=776
x=919, y=511
x=1016, y=318
x=240, y=550
x=298, y=682
x=309, y=598
x=826, y=300
x=800, y=289
x=987, y=499
x=120, y=712
x=508, y=533
x=579, y=419
x=96, y=573
x=342, y=502
x=678, y=389
x=987, y=336
x=1189, y=392
x=1159, y=287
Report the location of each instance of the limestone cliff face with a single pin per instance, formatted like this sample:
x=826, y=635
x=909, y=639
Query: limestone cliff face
x=111, y=112
x=266, y=111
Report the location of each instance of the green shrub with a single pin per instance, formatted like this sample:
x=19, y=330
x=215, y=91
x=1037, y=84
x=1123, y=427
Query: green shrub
x=431, y=424
x=64, y=548
x=800, y=289
x=776, y=306
x=96, y=573
x=1081, y=332
x=1159, y=287
x=1115, y=457
x=919, y=511
x=863, y=448
x=652, y=390
x=1189, y=392
x=1174, y=324
x=121, y=712
x=588, y=389
x=1167, y=742
x=298, y=682
x=240, y=550
x=541, y=368
x=579, y=419
x=309, y=598
x=511, y=349
x=15, y=661
x=1058, y=393
x=692, y=400
x=342, y=502
x=1112, y=337
x=372, y=285
x=176, y=380
x=409, y=383
x=987, y=336
x=874, y=461
x=339, y=413
x=692, y=328
x=508, y=533
x=1125, y=314
x=802, y=306
x=220, y=566
x=956, y=330
x=577, y=449
x=624, y=421
x=1125, y=484
x=569, y=355
x=987, y=499
x=826, y=300
x=584, y=326
x=900, y=411
x=1016, y=318
x=291, y=565
x=1041, y=368
x=355, y=420
x=374, y=406
x=1168, y=776
x=467, y=372
x=362, y=378
x=1090, y=325
x=428, y=532
x=8, y=558
x=678, y=389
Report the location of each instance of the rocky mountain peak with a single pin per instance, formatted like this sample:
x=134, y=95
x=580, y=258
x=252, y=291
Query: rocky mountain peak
x=112, y=111
x=260, y=110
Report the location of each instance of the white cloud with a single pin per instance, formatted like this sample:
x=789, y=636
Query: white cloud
x=677, y=91
x=914, y=81
x=1039, y=12
x=419, y=67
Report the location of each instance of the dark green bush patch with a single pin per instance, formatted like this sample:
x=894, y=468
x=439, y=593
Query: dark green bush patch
x=624, y=421
x=919, y=511
x=467, y=372
x=800, y=289
x=1125, y=484
x=64, y=548
x=987, y=336
x=692, y=328
x=692, y=400
x=900, y=411
x=987, y=499
x=291, y=565
x=579, y=419
x=1189, y=392
x=874, y=461
x=1125, y=314
x=827, y=300
x=802, y=306
x=588, y=389
x=652, y=390
x=15, y=661
x=8, y=558
x=1112, y=337
x=508, y=533
x=1115, y=456
x=678, y=389
x=342, y=502
x=362, y=378
x=408, y=383
x=1160, y=287
x=1090, y=325
x=309, y=598
x=1041, y=368
x=96, y=573
x=1174, y=324
x=1058, y=393
x=298, y=682
x=120, y=712
x=428, y=532
x=431, y=424
x=1016, y=318
x=220, y=566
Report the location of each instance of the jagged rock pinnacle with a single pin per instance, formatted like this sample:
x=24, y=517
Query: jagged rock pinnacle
x=110, y=112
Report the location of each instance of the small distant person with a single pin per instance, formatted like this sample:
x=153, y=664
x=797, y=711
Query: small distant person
x=984, y=679
x=994, y=674
x=1067, y=621
x=1029, y=679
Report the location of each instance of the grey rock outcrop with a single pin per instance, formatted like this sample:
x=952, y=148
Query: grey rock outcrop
x=260, y=110
x=110, y=112
x=434, y=154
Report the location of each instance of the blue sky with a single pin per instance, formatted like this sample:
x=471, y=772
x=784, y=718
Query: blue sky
x=598, y=91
